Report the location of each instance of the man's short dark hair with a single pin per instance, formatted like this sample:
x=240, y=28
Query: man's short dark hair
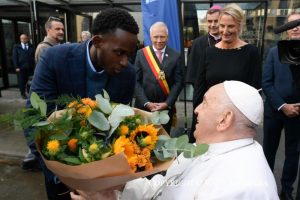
x=212, y=11
x=48, y=23
x=111, y=19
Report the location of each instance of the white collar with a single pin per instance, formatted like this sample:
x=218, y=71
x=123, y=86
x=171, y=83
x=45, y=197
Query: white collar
x=216, y=149
x=155, y=50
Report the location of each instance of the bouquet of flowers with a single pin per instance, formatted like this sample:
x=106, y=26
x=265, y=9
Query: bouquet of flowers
x=97, y=144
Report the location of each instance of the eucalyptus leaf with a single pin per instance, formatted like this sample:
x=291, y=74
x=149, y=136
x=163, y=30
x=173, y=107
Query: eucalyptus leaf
x=103, y=104
x=159, y=117
x=163, y=137
x=106, y=95
x=161, y=141
x=200, y=149
x=115, y=121
x=159, y=155
x=119, y=113
x=122, y=110
x=99, y=121
x=167, y=153
x=41, y=123
x=171, y=143
x=181, y=143
x=189, y=150
x=112, y=130
x=164, y=117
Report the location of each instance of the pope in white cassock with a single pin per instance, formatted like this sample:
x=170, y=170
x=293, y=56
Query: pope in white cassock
x=233, y=168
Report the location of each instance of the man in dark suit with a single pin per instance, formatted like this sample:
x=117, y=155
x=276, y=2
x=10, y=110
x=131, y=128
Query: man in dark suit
x=160, y=79
x=197, y=49
x=200, y=43
x=23, y=60
x=85, y=69
x=282, y=112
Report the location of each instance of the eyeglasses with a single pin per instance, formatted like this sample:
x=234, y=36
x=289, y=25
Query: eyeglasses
x=51, y=18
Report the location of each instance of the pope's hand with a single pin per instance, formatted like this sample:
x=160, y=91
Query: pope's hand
x=107, y=194
x=58, y=114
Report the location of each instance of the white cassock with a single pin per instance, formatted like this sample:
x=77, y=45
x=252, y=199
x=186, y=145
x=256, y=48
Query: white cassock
x=234, y=170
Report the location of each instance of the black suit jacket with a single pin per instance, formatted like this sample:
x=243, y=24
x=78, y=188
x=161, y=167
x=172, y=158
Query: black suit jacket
x=198, y=47
x=23, y=59
x=148, y=89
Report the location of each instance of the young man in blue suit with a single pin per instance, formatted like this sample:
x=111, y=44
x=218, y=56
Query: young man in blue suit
x=85, y=69
x=282, y=112
x=23, y=60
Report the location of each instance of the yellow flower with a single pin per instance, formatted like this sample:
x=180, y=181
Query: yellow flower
x=142, y=132
x=94, y=148
x=123, y=144
x=72, y=144
x=53, y=147
x=85, y=110
x=147, y=140
x=89, y=102
x=123, y=129
x=88, y=111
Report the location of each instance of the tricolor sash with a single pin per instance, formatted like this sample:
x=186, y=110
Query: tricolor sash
x=157, y=72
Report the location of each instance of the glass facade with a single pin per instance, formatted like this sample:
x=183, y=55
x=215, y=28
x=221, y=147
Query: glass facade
x=261, y=17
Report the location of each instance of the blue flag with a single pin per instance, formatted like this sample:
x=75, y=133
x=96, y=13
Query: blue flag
x=165, y=11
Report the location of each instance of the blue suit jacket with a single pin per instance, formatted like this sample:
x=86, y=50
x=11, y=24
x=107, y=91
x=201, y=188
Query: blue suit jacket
x=277, y=82
x=62, y=70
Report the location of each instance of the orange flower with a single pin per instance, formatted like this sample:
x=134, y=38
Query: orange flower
x=123, y=129
x=143, y=131
x=72, y=144
x=146, y=153
x=89, y=102
x=53, y=147
x=136, y=148
x=141, y=161
x=123, y=144
x=148, y=165
x=132, y=161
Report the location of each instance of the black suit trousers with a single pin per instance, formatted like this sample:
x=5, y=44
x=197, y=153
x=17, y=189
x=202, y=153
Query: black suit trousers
x=23, y=76
x=274, y=123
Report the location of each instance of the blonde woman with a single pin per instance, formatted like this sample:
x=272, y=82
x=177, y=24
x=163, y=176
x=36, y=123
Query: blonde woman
x=230, y=59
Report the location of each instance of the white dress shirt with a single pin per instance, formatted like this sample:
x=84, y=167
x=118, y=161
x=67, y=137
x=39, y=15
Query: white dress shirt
x=234, y=170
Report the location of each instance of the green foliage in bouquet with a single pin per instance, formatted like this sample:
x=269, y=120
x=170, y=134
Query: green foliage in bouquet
x=89, y=130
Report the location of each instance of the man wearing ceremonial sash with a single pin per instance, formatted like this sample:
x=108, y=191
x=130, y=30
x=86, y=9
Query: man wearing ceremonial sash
x=159, y=74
